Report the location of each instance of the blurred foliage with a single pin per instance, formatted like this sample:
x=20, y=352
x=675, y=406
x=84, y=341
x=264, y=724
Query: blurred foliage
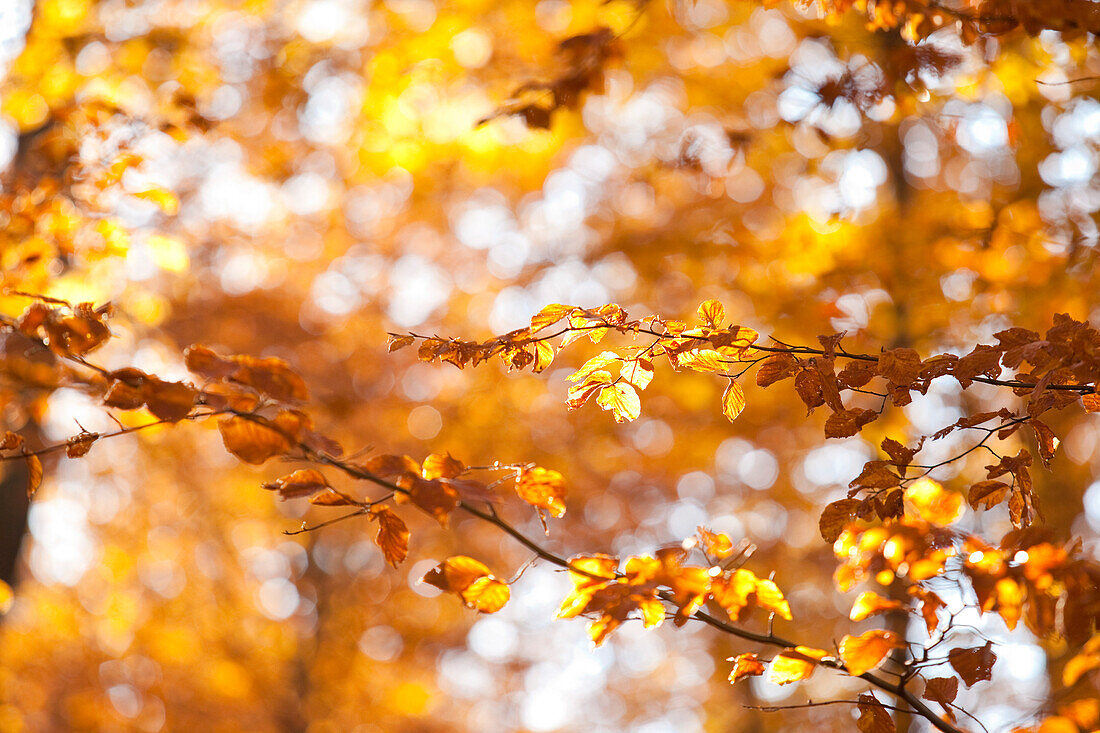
x=294, y=180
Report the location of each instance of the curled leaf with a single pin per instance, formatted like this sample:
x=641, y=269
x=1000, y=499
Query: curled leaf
x=304, y=482
x=392, y=537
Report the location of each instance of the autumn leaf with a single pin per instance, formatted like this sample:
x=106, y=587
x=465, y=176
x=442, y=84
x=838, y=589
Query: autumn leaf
x=870, y=603
x=865, y=652
x=941, y=690
x=397, y=342
x=549, y=315
x=987, y=493
x=1083, y=663
x=715, y=544
x=836, y=517
x=7, y=597
x=794, y=665
x=441, y=465
x=471, y=580
x=542, y=488
x=432, y=496
x=304, y=482
x=622, y=400
x=973, y=665
x=733, y=401
x=34, y=474
x=745, y=665
x=713, y=313
x=393, y=536
x=775, y=368
x=79, y=445
x=252, y=440
x=873, y=716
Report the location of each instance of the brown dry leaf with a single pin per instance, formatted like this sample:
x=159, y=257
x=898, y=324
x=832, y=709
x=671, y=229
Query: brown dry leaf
x=846, y=423
x=79, y=445
x=171, y=401
x=836, y=517
x=865, y=652
x=252, y=442
x=989, y=493
x=34, y=474
x=388, y=465
x=973, y=665
x=774, y=369
x=745, y=665
x=434, y=497
x=873, y=716
x=392, y=537
x=304, y=482
x=733, y=401
x=331, y=497
x=1091, y=402
x=942, y=690
x=808, y=385
x=870, y=603
x=542, y=488
x=900, y=366
x=398, y=341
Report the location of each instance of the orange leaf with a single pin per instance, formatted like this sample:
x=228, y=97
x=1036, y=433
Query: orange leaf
x=252, y=442
x=794, y=665
x=543, y=488
x=471, y=580
x=34, y=474
x=304, y=482
x=869, y=603
x=393, y=535
x=865, y=652
x=733, y=401
x=438, y=465
x=745, y=665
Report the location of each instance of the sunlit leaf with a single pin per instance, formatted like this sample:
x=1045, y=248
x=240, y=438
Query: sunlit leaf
x=745, y=665
x=865, y=652
x=543, y=488
x=622, y=400
x=733, y=401
x=870, y=603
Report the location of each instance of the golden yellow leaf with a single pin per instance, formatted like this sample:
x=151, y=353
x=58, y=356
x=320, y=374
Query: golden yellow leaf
x=864, y=652
x=869, y=603
x=622, y=400
x=733, y=401
x=794, y=665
